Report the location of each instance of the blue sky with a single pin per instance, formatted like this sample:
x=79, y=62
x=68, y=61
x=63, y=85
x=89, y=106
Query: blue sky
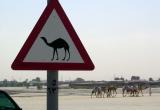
x=121, y=36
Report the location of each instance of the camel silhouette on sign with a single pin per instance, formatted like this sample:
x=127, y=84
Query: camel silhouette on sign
x=58, y=44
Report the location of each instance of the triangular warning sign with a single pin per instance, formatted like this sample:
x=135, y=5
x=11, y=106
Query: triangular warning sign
x=53, y=44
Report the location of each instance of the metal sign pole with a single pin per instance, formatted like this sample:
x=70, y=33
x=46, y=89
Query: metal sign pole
x=52, y=90
x=52, y=87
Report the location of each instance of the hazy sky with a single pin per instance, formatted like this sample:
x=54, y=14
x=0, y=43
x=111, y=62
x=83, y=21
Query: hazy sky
x=122, y=37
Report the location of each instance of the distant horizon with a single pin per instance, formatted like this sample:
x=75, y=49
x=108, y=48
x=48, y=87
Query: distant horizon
x=60, y=79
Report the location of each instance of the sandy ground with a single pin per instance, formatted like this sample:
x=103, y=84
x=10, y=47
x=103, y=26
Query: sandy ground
x=118, y=103
x=80, y=100
x=86, y=103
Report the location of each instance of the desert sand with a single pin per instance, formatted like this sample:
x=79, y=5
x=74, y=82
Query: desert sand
x=80, y=99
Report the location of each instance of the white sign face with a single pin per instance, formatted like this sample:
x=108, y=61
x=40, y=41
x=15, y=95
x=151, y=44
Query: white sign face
x=54, y=44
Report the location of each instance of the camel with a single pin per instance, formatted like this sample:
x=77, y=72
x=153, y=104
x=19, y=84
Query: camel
x=97, y=91
x=94, y=91
x=131, y=90
x=57, y=44
x=104, y=90
x=101, y=91
x=112, y=91
x=141, y=88
x=126, y=89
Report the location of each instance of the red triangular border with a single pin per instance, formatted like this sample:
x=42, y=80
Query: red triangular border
x=18, y=63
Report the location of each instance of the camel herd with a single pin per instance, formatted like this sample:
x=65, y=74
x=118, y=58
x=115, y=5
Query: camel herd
x=102, y=91
x=111, y=91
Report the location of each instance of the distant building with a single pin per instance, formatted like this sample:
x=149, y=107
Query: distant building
x=150, y=79
x=119, y=79
x=34, y=82
x=135, y=78
x=79, y=80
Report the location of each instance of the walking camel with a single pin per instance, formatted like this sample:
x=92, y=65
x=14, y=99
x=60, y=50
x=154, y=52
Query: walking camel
x=58, y=44
x=112, y=91
x=142, y=87
x=100, y=91
x=97, y=92
x=130, y=90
